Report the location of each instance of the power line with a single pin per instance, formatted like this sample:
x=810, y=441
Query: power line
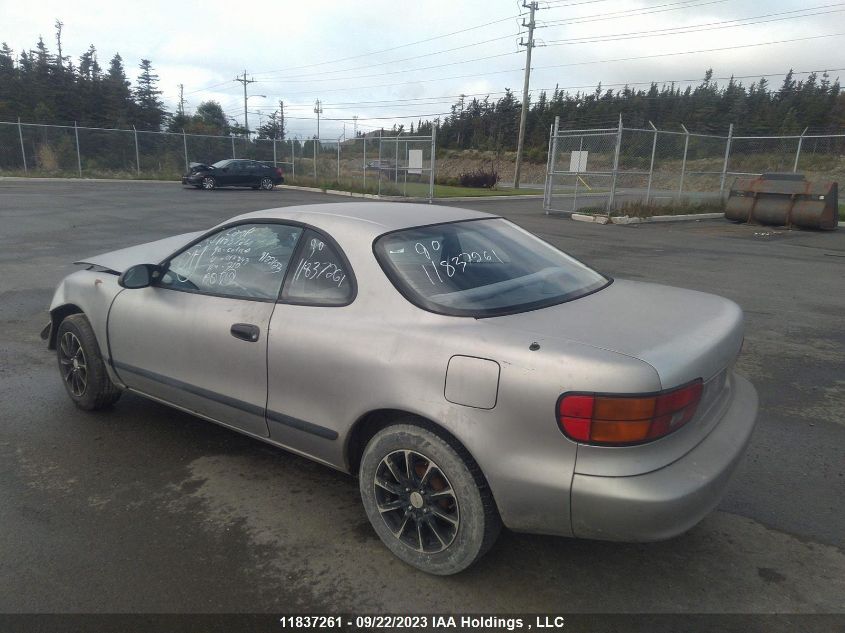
x=629, y=13
x=706, y=50
x=397, y=61
x=393, y=48
x=695, y=28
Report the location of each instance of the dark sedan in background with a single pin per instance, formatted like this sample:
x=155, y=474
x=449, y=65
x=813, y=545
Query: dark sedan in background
x=233, y=172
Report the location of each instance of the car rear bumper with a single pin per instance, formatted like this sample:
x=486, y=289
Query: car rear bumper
x=668, y=501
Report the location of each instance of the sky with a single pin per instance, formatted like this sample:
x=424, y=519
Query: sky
x=395, y=61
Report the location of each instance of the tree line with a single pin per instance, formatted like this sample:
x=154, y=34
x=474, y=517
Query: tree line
x=44, y=87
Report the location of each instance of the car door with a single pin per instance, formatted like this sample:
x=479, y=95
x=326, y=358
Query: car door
x=252, y=173
x=198, y=338
x=308, y=382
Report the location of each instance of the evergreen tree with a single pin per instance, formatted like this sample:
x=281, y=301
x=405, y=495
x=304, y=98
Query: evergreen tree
x=150, y=112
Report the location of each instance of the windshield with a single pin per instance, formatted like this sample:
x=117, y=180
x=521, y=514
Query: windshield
x=482, y=268
x=221, y=163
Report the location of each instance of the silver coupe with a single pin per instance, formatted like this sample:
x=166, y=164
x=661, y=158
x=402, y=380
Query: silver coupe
x=469, y=374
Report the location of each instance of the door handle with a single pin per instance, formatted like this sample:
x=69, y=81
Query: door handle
x=245, y=332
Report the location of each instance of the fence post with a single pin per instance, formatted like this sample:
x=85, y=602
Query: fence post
x=684, y=161
x=651, y=167
x=137, y=154
x=548, y=170
x=396, y=163
x=78, y=155
x=365, y=163
x=797, y=152
x=185, y=148
x=314, y=152
x=378, y=171
x=727, y=158
x=433, y=163
x=293, y=158
x=338, y=160
x=612, y=197
x=275, y=162
x=555, y=130
x=577, y=175
x=232, y=136
x=23, y=151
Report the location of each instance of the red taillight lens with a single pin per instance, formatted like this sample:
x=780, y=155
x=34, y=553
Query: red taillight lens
x=279, y=172
x=629, y=419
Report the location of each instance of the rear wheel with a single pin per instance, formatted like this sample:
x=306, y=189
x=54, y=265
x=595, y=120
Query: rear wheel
x=81, y=365
x=209, y=183
x=267, y=184
x=427, y=500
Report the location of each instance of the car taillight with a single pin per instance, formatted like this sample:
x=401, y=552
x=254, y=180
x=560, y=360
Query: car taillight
x=616, y=420
x=279, y=172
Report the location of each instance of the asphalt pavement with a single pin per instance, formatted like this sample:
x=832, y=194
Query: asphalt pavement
x=145, y=509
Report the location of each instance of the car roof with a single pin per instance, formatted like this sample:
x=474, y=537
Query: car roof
x=366, y=219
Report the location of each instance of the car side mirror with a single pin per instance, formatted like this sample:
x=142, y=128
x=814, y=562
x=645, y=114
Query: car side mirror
x=139, y=276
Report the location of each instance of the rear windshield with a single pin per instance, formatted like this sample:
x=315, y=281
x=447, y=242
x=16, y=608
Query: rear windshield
x=482, y=268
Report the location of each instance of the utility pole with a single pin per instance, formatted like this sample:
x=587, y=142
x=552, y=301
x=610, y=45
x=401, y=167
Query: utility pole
x=182, y=102
x=318, y=110
x=245, y=82
x=355, y=126
x=532, y=7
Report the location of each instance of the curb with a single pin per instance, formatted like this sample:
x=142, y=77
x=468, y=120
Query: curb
x=373, y=196
x=687, y=217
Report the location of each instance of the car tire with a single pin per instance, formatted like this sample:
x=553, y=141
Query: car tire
x=81, y=365
x=427, y=499
x=267, y=184
x=209, y=183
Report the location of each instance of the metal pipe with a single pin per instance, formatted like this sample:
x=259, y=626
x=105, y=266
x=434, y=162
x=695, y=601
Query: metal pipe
x=365, y=163
x=23, y=150
x=577, y=175
x=433, y=155
x=651, y=167
x=78, y=154
x=798, y=151
x=137, y=154
x=727, y=158
x=548, y=174
x=185, y=148
x=612, y=197
x=683, y=162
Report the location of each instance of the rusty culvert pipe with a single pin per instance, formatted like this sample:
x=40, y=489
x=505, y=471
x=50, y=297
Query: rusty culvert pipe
x=784, y=200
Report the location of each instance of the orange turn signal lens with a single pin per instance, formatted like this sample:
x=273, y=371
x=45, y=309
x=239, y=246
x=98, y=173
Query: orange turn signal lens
x=615, y=420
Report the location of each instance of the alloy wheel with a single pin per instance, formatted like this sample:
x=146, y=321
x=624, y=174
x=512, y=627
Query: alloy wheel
x=73, y=363
x=416, y=501
x=266, y=183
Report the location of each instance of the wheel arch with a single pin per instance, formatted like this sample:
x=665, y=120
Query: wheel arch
x=57, y=315
x=366, y=427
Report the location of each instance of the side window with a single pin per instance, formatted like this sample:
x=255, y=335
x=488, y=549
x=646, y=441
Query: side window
x=319, y=275
x=248, y=260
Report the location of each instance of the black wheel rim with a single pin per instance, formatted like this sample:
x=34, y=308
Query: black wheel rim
x=416, y=501
x=73, y=364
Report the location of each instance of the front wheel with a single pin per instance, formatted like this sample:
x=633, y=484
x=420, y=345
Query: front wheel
x=427, y=500
x=81, y=365
x=209, y=183
x=267, y=184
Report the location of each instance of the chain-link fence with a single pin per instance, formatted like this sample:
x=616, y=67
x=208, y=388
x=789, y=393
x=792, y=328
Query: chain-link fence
x=390, y=166
x=612, y=169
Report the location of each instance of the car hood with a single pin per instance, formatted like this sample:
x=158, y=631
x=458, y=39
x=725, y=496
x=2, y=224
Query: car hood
x=683, y=334
x=149, y=253
x=196, y=167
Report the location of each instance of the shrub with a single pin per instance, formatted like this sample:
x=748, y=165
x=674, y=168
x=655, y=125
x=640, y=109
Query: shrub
x=479, y=178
